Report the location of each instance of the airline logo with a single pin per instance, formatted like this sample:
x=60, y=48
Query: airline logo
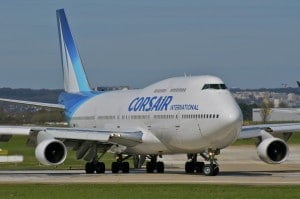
x=156, y=103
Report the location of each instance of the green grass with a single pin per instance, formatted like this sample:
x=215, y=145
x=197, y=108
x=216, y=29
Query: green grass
x=146, y=191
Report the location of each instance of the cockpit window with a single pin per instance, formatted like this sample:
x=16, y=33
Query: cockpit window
x=214, y=86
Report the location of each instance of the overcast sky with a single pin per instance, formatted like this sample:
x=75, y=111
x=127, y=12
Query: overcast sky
x=249, y=44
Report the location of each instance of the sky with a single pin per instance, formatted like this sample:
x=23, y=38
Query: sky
x=249, y=44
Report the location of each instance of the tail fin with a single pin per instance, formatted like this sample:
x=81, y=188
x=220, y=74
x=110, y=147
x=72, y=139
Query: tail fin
x=73, y=72
x=298, y=83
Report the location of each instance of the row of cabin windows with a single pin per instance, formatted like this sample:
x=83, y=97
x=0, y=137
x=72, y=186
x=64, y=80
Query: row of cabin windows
x=165, y=116
x=200, y=116
x=144, y=117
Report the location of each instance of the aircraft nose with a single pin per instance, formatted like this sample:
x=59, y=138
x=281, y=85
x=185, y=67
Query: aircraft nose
x=234, y=120
x=235, y=116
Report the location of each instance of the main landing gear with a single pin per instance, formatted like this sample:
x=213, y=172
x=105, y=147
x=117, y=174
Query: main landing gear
x=95, y=166
x=153, y=165
x=211, y=169
x=192, y=165
x=99, y=167
x=120, y=165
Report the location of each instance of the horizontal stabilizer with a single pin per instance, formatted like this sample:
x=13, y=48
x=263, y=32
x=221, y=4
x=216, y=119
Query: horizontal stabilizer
x=49, y=105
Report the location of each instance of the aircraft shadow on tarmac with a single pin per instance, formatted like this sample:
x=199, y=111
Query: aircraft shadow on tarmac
x=139, y=172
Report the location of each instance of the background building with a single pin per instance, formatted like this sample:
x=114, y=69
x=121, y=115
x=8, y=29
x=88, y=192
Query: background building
x=278, y=114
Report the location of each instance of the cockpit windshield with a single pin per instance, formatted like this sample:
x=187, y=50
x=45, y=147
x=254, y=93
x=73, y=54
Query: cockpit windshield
x=214, y=86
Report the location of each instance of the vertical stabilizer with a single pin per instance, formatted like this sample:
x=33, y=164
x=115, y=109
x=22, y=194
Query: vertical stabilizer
x=298, y=83
x=73, y=72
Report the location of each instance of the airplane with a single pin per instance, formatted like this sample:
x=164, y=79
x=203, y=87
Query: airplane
x=298, y=83
x=193, y=115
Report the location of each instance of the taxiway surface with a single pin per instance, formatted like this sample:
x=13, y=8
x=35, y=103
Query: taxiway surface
x=238, y=165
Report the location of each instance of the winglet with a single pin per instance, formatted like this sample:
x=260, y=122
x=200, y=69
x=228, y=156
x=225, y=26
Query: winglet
x=74, y=75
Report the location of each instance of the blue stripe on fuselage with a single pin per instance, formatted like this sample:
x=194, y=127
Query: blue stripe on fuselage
x=72, y=101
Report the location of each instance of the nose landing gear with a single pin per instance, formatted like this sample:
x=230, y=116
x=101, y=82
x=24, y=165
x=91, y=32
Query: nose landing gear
x=211, y=169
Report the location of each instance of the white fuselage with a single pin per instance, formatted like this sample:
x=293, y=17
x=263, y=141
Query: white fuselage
x=176, y=115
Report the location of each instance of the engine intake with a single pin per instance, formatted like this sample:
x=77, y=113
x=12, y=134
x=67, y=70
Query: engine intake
x=51, y=152
x=273, y=150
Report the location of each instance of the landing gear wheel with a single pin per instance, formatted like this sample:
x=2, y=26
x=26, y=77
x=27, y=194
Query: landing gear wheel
x=189, y=167
x=125, y=167
x=89, y=168
x=199, y=167
x=216, y=171
x=115, y=167
x=208, y=170
x=150, y=167
x=211, y=170
x=160, y=167
x=99, y=167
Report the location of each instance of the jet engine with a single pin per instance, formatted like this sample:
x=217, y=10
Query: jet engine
x=51, y=152
x=273, y=150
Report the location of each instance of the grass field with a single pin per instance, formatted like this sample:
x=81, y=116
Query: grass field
x=17, y=146
x=146, y=191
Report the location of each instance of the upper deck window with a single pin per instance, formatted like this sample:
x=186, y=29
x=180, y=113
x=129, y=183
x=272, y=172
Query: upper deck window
x=214, y=86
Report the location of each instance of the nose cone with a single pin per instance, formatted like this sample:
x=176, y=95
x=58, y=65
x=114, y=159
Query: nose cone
x=228, y=128
x=233, y=120
x=234, y=116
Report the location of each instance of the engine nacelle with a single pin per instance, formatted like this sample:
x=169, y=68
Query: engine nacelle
x=51, y=152
x=273, y=150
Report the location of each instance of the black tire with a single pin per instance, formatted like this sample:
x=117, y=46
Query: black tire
x=125, y=167
x=115, y=167
x=216, y=170
x=189, y=167
x=208, y=170
x=160, y=167
x=100, y=167
x=89, y=168
x=199, y=167
x=150, y=167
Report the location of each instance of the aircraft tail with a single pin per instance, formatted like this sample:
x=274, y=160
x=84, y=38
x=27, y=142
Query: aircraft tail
x=298, y=83
x=73, y=71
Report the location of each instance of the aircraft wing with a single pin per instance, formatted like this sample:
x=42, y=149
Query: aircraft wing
x=256, y=131
x=125, y=138
x=49, y=105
